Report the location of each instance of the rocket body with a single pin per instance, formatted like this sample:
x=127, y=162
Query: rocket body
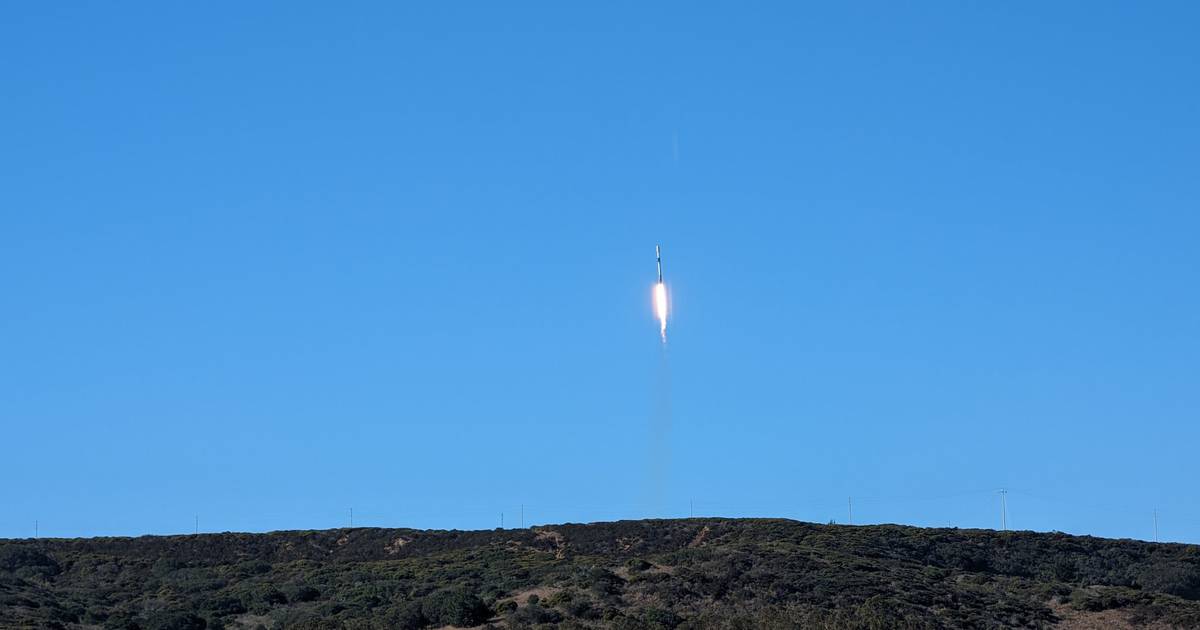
x=658, y=255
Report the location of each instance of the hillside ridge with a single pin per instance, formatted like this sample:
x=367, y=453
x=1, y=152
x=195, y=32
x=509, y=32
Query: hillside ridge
x=657, y=573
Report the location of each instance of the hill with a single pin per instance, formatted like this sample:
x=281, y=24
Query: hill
x=653, y=574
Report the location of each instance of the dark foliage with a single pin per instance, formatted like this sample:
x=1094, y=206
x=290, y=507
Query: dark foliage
x=176, y=621
x=27, y=560
x=408, y=616
x=455, y=607
x=639, y=575
x=533, y=614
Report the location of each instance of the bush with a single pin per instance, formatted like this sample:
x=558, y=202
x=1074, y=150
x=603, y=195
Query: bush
x=253, y=567
x=305, y=594
x=581, y=609
x=535, y=614
x=638, y=564
x=1173, y=578
x=223, y=606
x=176, y=621
x=1065, y=570
x=1096, y=599
x=600, y=581
x=16, y=557
x=455, y=607
x=164, y=566
x=122, y=621
x=659, y=619
x=561, y=598
x=262, y=598
x=407, y=616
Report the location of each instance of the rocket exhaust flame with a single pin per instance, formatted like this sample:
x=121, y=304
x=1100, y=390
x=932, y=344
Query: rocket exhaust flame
x=660, y=308
x=660, y=297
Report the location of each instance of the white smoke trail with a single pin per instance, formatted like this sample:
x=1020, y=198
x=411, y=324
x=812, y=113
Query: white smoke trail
x=660, y=435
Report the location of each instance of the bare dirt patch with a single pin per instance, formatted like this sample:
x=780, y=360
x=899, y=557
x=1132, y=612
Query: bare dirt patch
x=556, y=539
x=542, y=592
x=627, y=544
x=394, y=547
x=252, y=621
x=1071, y=619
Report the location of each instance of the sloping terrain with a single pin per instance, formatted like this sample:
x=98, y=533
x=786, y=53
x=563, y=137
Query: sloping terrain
x=691, y=573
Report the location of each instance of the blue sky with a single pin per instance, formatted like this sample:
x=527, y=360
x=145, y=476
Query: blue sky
x=262, y=264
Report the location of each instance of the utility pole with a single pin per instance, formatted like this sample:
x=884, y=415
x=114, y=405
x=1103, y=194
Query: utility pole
x=1003, y=510
x=1156, y=525
x=849, y=511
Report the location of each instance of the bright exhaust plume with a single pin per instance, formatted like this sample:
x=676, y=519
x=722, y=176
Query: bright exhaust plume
x=660, y=308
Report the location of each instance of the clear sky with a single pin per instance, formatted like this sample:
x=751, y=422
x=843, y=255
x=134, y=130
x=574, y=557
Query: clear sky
x=264, y=262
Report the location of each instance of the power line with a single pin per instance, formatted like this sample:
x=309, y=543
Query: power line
x=1003, y=510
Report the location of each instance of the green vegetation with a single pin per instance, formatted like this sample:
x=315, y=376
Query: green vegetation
x=636, y=575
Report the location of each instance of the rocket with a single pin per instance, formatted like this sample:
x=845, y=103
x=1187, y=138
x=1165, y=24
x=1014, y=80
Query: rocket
x=660, y=297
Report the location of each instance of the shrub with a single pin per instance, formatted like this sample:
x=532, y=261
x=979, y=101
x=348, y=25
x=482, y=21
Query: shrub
x=535, y=614
x=222, y=606
x=176, y=621
x=580, y=609
x=253, y=567
x=16, y=557
x=1174, y=578
x=454, y=607
x=638, y=564
x=305, y=594
x=262, y=598
x=122, y=621
x=407, y=616
x=163, y=566
x=563, y=597
x=660, y=619
x=600, y=581
x=1065, y=570
x=1102, y=598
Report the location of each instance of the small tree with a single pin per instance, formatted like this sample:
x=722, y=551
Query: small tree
x=455, y=607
